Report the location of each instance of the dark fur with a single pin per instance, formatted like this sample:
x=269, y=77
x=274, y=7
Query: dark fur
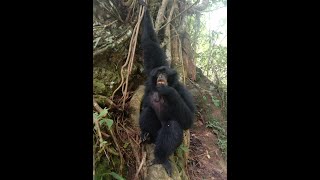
x=166, y=110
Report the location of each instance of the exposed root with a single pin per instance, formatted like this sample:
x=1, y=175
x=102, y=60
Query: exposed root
x=129, y=61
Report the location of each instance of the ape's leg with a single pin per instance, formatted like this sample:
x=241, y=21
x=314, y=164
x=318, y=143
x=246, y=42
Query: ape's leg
x=149, y=125
x=169, y=138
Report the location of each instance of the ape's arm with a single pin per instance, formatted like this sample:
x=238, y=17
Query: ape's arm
x=186, y=96
x=148, y=31
x=177, y=106
x=154, y=56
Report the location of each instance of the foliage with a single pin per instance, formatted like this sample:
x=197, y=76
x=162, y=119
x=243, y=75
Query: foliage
x=104, y=168
x=219, y=130
x=210, y=54
x=215, y=101
x=116, y=176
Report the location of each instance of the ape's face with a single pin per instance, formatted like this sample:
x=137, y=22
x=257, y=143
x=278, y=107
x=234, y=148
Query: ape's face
x=162, y=79
x=163, y=76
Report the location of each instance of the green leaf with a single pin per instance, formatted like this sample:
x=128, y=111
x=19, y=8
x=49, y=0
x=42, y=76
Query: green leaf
x=102, y=143
x=204, y=98
x=216, y=103
x=103, y=113
x=125, y=145
x=179, y=152
x=97, y=41
x=104, y=120
x=109, y=123
x=113, y=151
x=95, y=115
x=185, y=149
x=116, y=176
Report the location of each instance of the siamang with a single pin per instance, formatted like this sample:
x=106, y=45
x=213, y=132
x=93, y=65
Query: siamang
x=167, y=106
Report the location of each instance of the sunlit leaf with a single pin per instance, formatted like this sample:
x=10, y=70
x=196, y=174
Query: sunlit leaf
x=116, y=176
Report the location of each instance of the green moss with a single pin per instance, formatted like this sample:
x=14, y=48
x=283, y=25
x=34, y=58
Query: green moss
x=98, y=87
x=102, y=171
x=105, y=80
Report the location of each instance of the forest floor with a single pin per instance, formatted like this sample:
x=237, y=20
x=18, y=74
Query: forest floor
x=206, y=161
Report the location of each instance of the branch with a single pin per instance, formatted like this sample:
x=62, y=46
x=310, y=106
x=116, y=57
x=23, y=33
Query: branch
x=199, y=7
x=168, y=34
x=116, y=43
x=126, y=3
x=103, y=100
x=179, y=14
x=222, y=38
x=160, y=19
x=99, y=109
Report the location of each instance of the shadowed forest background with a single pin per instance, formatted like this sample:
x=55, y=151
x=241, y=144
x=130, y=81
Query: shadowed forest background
x=196, y=49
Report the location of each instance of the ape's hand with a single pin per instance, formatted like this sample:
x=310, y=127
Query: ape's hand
x=141, y=2
x=165, y=90
x=145, y=137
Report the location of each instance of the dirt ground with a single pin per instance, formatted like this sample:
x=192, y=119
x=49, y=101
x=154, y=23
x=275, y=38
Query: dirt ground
x=205, y=158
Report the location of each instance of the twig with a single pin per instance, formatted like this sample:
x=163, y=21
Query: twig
x=109, y=24
x=104, y=100
x=134, y=149
x=135, y=152
x=118, y=148
x=96, y=106
x=99, y=109
x=105, y=134
x=126, y=3
x=144, y=155
x=94, y=166
x=98, y=129
x=199, y=155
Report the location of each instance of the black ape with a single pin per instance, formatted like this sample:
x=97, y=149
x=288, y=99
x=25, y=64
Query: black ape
x=168, y=107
